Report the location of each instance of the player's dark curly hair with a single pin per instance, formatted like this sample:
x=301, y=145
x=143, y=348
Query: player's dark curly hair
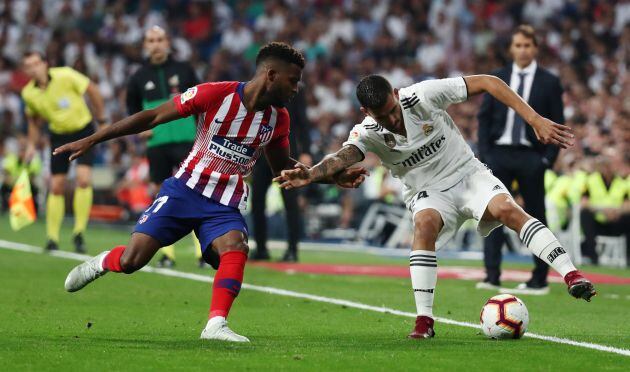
x=372, y=91
x=281, y=51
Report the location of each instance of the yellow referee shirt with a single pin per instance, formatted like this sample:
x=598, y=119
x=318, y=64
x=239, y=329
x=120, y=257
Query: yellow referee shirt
x=61, y=103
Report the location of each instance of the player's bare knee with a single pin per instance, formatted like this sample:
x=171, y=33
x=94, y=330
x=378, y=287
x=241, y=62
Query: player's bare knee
x=426, y=229
x=427, y=224
x=57, y=189
x=238, y=246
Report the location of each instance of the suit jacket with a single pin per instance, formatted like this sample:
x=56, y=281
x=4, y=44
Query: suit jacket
x=545, y=98
x=299, y=136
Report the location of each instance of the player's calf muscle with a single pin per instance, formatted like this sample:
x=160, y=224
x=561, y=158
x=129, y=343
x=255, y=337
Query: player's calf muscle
x=138, y=253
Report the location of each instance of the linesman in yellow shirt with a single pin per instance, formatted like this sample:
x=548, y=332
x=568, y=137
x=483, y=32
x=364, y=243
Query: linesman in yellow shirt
x=56, y=95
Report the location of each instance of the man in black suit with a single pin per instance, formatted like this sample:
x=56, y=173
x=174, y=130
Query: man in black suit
x=510, y=147
x=300, y=142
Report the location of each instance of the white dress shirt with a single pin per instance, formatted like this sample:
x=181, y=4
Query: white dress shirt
x=530, y=70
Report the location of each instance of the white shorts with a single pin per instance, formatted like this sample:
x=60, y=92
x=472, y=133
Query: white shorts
x=466, y=199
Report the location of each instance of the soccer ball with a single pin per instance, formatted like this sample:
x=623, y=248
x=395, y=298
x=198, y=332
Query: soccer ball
x=504, y=316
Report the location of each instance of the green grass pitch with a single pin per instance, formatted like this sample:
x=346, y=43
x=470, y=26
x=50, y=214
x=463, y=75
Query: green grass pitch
x=148, y=321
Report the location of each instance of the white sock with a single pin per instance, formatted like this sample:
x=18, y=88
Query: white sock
x=423, y=269
x=541, y=241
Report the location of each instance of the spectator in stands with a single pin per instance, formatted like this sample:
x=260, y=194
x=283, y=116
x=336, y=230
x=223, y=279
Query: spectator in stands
x=605, y=206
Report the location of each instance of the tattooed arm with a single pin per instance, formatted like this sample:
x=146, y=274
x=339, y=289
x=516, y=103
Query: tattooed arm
x=330, y=167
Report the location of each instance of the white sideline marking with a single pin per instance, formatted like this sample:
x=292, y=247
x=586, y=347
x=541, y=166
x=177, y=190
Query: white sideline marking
x=5, y=244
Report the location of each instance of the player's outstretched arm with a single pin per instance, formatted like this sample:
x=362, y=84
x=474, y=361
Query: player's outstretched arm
x=136, y=123
x=332, y=167
x=281, y=163
x=546, y=130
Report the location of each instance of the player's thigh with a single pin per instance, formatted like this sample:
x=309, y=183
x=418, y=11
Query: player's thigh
x=87, y=159
x=435, y=218
x=160, y=167
x=172, y=215
x=59, y=164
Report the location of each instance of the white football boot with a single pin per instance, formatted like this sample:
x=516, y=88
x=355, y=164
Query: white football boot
x=86, y=273
x=217, y=329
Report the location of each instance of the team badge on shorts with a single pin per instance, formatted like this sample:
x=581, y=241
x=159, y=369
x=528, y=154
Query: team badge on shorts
x=390, y=141
x=143, y=219
x=427, y=129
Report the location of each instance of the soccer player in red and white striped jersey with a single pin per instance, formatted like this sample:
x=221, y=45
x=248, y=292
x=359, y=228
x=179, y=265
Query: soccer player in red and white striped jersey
x=236, y=123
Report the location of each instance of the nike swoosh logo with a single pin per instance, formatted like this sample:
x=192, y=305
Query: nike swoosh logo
x=217, y=121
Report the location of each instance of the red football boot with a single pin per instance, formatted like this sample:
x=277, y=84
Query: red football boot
x=423, y=328
x=579, y=286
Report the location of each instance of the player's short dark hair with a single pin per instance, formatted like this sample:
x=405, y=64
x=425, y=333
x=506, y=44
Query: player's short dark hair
x=34, y=52
x=281, y=51
x=373, y=91
x=527, y=31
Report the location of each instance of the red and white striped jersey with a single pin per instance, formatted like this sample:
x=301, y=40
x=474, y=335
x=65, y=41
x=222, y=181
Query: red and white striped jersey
x=229, y=140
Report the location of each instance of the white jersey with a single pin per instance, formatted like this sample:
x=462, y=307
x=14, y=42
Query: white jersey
x=434, y=155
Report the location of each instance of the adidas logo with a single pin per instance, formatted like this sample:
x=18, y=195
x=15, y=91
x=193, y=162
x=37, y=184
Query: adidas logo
x=149, y=85
x=496, y=187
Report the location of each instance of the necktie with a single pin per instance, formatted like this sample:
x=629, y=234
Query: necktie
x=519, y=123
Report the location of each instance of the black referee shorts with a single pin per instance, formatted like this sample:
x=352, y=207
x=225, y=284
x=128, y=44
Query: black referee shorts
x=59, y=164
x=164, y=159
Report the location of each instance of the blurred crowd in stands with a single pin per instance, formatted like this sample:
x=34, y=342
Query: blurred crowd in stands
x=585, y=42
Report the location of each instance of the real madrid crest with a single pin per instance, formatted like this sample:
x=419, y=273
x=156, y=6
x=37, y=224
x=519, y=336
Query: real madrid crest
x=427, y=129
x=390, y=141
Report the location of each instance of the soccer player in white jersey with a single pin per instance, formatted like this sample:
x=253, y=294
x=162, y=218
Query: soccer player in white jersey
x=444, y=184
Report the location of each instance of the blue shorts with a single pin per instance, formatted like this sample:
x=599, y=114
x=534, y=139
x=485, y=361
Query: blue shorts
x=178, y=210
